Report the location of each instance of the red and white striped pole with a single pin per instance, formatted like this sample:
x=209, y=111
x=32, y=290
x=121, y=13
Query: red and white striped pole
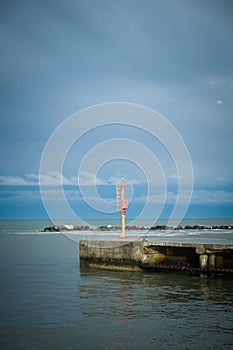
x=122, y=205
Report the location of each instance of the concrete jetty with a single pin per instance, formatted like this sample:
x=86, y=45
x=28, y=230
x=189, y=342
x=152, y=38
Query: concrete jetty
x=157, y=255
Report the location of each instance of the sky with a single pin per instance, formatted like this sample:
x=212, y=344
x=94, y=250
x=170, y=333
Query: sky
x=60, y=57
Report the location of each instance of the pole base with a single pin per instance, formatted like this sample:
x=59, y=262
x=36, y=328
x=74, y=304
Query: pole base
x=123, y=235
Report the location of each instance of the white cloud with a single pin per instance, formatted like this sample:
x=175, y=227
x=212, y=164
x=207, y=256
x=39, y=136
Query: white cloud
x=221, y=179
x=19, y=195
x=220, y=82
x=218, y=102
x=89, y=179
x=201, y=197
x=34, y=195
x=52, y=179
x=6, y=180
x=212, y=197
x=55, y=179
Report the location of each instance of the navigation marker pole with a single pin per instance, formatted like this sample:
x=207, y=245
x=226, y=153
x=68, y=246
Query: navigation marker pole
x=122, y=204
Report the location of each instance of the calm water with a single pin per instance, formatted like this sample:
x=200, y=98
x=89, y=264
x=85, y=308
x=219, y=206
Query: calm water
x=47, y=302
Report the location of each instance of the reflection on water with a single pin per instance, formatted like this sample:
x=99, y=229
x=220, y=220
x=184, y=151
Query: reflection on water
x=137, y=292
x=169, y=308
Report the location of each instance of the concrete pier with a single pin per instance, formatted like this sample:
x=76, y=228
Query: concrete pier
x=111, y=254
x=152, y=256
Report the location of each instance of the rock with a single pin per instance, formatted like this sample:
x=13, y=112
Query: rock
x=51, y=229
x=69, y=227
x=104, y=228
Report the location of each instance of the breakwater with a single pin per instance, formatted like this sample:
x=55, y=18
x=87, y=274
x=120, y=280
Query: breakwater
x=154, y=256
x=62, y=228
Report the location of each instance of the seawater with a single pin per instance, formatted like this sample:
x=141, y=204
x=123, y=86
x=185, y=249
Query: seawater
x=48, y=302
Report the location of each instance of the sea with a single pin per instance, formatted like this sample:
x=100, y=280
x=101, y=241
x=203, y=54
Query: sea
x=49, y=302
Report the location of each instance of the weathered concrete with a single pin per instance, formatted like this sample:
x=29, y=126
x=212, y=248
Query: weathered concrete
x=193, y=254
x=139, y=255
x=111, y=253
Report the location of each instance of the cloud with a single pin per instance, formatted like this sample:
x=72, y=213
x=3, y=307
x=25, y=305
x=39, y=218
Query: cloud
x=31, y=195
x=218, y=102
x=204, y=196
x=55, y=179
x=220, y=82
x=221, y=179
x=90, y=179
x=51, y=179
x=201, y=197
x=20, y=195
x=6, y=180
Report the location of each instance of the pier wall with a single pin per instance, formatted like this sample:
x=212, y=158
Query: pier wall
x=111, y=254
x=139, y=255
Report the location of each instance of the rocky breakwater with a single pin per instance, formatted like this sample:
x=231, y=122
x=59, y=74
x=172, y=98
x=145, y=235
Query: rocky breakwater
x=63, y=228
x=189, y=227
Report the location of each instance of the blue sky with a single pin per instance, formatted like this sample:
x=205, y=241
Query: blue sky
x=58, y=57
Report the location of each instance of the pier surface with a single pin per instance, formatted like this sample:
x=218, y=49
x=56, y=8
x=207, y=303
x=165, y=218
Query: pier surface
x=197, y=257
